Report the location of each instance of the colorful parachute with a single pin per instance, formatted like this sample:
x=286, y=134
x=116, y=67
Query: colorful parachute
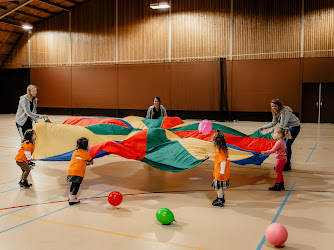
x=166, y=143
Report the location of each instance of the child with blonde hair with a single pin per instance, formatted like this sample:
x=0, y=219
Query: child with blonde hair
x=222, y=170
x=280, y=134
x=24, y=156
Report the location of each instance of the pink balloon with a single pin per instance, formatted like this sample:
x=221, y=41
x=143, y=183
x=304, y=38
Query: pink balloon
x=205, y=127
x=276, y=234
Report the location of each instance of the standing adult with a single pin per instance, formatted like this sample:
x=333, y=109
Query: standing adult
x=284, y=116
x=27, y=111
x=156, y=110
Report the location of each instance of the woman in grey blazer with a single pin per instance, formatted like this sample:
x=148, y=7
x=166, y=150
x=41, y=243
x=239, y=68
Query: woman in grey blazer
x=156, y=110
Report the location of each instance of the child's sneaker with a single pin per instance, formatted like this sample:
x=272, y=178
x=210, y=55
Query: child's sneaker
x=21, y=183
x=276, y=187
x=26, y=184
x=215, y=201
x=218, y=203
x=73, y=200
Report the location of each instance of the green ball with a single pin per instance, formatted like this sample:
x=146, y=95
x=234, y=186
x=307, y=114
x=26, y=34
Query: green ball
x=164, y=216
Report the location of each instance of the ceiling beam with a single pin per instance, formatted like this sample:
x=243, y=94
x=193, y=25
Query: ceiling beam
x=13, y=7
x=54, y=4
x=28, y=14
x=74, y=2
x=41, y=9
x=12, y=32
x=10, y=23
x=10, y=44
x=10, y=18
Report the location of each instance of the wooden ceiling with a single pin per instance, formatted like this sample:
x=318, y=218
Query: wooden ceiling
x=15, y=13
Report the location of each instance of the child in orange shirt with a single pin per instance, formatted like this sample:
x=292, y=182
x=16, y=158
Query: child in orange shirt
x=24, y=156
x=222, y=168
x=76, y=170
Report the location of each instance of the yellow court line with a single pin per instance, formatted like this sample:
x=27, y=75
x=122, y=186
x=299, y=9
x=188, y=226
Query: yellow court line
x=110, y=232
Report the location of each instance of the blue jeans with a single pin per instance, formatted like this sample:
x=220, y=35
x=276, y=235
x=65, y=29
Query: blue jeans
x=294, y=131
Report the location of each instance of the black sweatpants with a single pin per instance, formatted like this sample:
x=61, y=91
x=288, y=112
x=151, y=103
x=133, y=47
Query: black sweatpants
x=22, y=129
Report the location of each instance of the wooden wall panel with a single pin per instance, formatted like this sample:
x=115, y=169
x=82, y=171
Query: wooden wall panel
x=195, y=86
x=262, y=28
x=318, y=70
x=94, y=87
x=256, y=82
x=138, y=84
x=54, y=86
x=50, y=42
x=143, y=32
x=19, y=56
x=200, y=28
x=319, y=28
x=93, y=32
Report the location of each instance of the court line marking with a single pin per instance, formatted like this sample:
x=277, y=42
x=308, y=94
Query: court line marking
x=311, y=152
x=109, y=232
x=99, y=197
x=68, y=193
x=181, y=191
x=277, y=214
x=323, y=130
x=8, y=229
x=20, y=187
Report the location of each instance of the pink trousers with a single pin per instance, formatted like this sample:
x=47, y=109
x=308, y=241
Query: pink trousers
x=279, y=169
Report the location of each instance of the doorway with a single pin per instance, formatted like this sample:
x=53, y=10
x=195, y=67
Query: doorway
x=318, y=102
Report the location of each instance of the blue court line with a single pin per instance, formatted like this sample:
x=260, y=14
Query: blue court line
x=9, y=181
x=20, y=187
x=311, y=152
x=65, y=194
x=34, y=176
x=70, y=206
x=277, y=214
x=41, y=181
x=16, y=180
x=323, y=130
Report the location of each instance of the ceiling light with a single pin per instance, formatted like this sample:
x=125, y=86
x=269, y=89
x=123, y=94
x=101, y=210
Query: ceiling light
x=156, y=6
x=26, y=26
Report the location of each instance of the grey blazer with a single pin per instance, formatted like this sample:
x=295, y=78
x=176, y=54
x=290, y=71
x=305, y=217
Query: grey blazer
x=149, y=114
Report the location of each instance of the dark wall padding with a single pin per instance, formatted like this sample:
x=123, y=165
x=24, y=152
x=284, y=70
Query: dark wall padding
x=14, y=83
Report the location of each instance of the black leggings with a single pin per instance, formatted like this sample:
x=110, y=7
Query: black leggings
x=74, y=188
x=22, y=129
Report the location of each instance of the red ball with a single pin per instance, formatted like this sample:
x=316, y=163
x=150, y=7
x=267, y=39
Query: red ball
x=276, y=234
x=115, y=198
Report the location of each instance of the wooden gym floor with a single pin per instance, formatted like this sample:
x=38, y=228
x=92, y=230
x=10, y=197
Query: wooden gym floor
x=305, y=208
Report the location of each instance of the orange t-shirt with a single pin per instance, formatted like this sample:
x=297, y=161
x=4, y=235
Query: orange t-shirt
x=26, y=146
x=221, y=156
x=78, y=162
